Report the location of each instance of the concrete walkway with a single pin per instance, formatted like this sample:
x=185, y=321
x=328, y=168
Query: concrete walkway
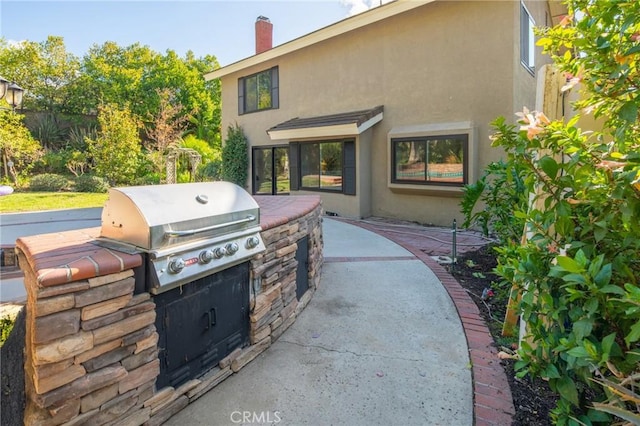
x=380, y=343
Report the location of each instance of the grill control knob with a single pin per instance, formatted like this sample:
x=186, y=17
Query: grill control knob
x=252, y=242
x=206, y=256
x=218, y=253
x=231, y=249
x=177, y=265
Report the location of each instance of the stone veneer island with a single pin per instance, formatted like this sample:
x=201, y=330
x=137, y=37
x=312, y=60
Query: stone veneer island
x=91, y=347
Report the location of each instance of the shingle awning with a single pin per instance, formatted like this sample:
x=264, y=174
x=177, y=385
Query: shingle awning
x=344, y=124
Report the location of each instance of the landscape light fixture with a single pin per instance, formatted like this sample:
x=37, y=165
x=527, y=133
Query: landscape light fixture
x=14, y=95
x=4, y=83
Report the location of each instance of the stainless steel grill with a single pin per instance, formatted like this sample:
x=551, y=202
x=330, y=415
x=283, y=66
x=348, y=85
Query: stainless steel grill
x=186, y=230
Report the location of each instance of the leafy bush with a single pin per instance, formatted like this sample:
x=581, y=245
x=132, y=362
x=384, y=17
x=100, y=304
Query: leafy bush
x=577, y=273
x=6, y=325
x=48, y=132
x=52, y=162
x=235, y=157
x=77, y=137
x=147, y=179
x=501, y=191
x=202, y=147
x=116, y=150
x=76, y=161
x=210, y=171
x=89, y=183
x=48, y=182
x=17, y=145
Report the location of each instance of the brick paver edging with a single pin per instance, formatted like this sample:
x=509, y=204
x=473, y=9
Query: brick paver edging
x=492, y=400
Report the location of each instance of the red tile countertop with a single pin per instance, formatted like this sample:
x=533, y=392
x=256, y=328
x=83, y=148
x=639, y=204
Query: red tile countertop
x=279, y=210
x=63, y=257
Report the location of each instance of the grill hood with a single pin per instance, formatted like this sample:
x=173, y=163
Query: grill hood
x=159, y=216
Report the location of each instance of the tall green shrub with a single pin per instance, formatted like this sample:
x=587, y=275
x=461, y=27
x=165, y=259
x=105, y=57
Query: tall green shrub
x=235, y=157
x=116, y=150
x=578, y=272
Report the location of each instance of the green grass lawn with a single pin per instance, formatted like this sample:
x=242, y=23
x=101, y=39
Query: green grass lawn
x=34, y=201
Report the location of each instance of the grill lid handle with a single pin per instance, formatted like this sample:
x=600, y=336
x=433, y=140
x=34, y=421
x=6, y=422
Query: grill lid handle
x=188, y=232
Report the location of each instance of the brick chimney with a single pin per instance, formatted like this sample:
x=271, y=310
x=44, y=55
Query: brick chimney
x=264, y=34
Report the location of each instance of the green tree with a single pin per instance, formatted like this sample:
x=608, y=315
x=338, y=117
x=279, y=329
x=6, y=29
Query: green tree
x=138, y=76
x=132, y=77
x=116, y=151
x=19, y=149
x=112, y=75
x=45, y=70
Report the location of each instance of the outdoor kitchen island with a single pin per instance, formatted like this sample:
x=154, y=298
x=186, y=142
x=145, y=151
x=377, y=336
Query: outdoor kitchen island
x=93, y=351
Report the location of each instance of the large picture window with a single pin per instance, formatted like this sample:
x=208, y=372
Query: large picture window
x=324, y=166
x=258, y=92
x=430, y=160
x=321, y=166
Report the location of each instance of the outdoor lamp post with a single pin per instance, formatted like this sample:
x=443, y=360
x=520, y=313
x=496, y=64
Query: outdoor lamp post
x=3, y=87
x=14, y=95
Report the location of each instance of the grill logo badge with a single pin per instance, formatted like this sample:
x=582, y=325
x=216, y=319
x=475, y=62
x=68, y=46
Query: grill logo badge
x=189, y=262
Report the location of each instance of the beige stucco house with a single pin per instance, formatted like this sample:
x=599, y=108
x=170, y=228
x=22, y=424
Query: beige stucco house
x=385, y=113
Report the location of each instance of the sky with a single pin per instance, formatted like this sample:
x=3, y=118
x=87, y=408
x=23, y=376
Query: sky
x=222, y=28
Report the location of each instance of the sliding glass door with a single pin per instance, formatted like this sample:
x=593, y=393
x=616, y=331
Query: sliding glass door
x=271, y=170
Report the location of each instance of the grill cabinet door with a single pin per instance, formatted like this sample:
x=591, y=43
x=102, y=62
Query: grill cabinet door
x=200, y=323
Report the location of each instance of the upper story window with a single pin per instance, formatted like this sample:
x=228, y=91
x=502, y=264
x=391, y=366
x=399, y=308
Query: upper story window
x=258, y=92
x=527, y=40
x=430, y=160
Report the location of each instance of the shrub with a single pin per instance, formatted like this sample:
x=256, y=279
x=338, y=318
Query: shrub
x=48, y=132
x=77, y=138
x=76, y=162
x=50, y=162
x=88, y=183
x=149, y=178
x=48, y=182
x=577, y=272
x=6, y=325
x=501, y=191
x=235, y=157
x=210, y=171
x=17, y=145
x=202, y=147
x=116, y=149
